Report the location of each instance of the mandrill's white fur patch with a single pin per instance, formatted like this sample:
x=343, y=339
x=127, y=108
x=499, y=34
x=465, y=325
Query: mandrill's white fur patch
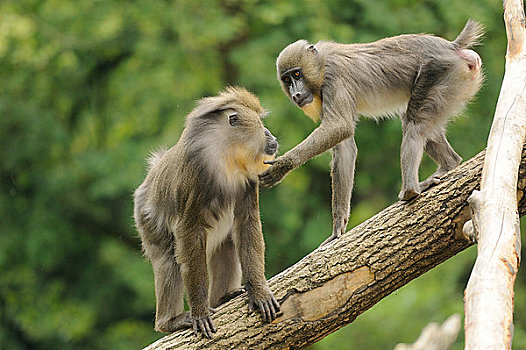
x=313, y=109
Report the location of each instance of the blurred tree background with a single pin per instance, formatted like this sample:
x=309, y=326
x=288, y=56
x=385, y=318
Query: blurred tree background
x=88, y=88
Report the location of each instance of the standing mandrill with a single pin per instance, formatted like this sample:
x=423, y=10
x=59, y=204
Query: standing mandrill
x=423, y=78
x=197, y=213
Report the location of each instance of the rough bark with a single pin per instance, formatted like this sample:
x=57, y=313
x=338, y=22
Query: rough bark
x=435, y=336
x=495, y=225
x=334, y=284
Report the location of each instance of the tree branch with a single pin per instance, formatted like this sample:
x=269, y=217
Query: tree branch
x=495, y=223
x=334, y=284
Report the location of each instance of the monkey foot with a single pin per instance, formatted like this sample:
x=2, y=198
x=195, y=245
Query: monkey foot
x=408, y=194
x=181, y=321
x=231, y=295
x=429, y=182
x=203, y=325
x=267, y=305
x=329, y=240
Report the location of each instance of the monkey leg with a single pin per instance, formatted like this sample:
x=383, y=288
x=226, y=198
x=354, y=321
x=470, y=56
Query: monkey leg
x=250, y=247
x=410, y=157
x=169, y=291
x=191, y=254
x=225, y=273
x=342, y=173
x=426, y=114
x=439, y=149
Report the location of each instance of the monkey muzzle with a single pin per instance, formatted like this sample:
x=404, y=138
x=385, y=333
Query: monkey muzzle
x=302, y=99
x=271, y=145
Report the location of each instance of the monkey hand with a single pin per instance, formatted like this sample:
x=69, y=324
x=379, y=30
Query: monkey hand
x=203, y=323
x=273, y=175
x=266, y=303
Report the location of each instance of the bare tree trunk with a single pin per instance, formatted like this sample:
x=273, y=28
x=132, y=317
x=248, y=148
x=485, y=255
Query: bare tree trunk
x=334, y=284
x=495, y=225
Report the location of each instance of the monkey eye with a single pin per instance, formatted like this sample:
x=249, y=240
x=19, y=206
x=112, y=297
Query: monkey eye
x=287, y=80
x=233, y=119
x=296, y=74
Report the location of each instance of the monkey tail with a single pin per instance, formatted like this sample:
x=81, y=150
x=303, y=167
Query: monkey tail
x=154, y=157
x=470, y=35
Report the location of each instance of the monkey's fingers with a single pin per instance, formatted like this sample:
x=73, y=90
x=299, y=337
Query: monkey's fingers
x=195, y=327
x=265, y=311
x=209, y=326
x=275, y=303
x=270, y=178
x=204, y=328
x=272, y=309
x=204, y=325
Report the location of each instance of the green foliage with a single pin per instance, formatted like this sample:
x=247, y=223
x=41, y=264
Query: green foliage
x=90, y=87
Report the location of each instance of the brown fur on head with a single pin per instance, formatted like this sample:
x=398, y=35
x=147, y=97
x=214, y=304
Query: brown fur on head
x=228, y=128
x=302, y=54
x=232, y=96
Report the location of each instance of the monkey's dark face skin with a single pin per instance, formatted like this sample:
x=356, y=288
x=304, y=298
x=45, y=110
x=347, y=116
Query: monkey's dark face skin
x=297, y=86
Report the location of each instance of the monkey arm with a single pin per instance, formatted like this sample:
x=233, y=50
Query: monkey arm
x=342, y=174
x=337, y=124
x=251, y=249
x=191, y=255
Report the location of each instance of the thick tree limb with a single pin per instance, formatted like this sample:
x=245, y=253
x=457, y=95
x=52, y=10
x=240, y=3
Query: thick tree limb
x=334, y=284
x=489, y=293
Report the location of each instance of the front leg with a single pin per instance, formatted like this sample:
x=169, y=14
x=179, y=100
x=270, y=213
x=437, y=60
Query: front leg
x=410, y=156
x=251, y=249
x=191, y=254
x=324, y=137
x=343, y=164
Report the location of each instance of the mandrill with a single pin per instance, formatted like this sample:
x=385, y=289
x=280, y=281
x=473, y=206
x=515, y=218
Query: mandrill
x=422, y=78
x=197, y=213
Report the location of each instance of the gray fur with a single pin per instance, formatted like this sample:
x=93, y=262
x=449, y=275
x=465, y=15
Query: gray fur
x=197, y=212
x=422, y=78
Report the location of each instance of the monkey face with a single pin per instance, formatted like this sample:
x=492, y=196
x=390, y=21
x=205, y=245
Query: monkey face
x=301, y=72
x=297, y=87
x=228, y=129
x=251, y=143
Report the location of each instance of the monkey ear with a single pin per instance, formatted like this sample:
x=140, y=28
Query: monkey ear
x=312, y=48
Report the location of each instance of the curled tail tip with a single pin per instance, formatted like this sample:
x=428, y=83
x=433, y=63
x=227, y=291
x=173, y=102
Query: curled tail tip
x=470, y=36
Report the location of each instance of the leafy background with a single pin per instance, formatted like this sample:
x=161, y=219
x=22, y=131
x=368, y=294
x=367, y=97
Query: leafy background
x=88, y=88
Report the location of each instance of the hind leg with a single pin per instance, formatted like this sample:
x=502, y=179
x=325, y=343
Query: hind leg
x=426, y=114
x=169, y=291
x=225, y=273
x=439, y=149
x=410, y=157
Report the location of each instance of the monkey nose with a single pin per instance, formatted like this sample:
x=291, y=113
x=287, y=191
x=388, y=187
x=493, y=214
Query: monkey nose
x=271, y=148
x=297, y=97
